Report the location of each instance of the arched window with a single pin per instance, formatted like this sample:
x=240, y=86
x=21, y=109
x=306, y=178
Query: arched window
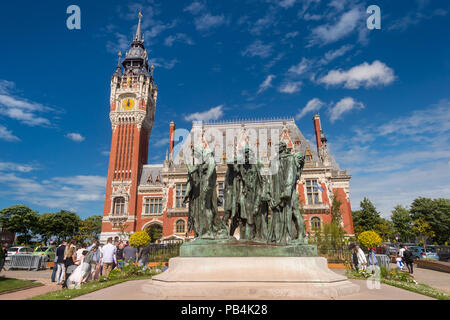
x=315, y=223
x=119, y=206
x=181, y=226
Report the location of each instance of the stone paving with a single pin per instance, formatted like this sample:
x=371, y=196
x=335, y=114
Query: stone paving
x=127, y=290
x=131, y=290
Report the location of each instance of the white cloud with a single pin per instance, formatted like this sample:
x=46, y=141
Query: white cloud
x=312, y=106
x=258, y=48
x=263, y=23
x=10, y=166
x=7, y=135
x=399, y=160
x=367, y=75
x=122, y=43
x=290, y=87
x=179, y=37
x=68, y=193
x=267, y=83
x=333, y=54
x=208, y=21
x=328, y=33
x=75, y=137
x=286, y=3
x=312, y=17
x=195, y=7
x=211, y=114
x=163, y=63
x=343, y=106
x=292, y=34
x=21, y=109
x=301, y=67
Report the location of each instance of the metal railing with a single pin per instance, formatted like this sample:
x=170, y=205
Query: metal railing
x=163, y=252
x=27, y=261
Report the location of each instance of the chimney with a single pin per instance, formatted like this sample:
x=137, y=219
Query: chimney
x=317, y=131
x=172, y=137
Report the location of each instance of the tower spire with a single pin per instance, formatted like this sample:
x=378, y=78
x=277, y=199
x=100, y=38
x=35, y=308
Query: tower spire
x=138, y=36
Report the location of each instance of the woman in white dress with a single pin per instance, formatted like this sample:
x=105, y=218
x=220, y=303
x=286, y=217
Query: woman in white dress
x=362, y=261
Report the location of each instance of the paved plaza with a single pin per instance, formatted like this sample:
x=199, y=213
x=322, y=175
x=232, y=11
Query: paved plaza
x=130, y=290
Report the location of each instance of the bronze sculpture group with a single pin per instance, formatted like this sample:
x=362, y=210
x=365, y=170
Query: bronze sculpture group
x=249, y=198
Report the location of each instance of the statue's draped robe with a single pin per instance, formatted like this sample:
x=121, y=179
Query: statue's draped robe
x=296, y=213
x=282, y=188
x=195, y=202
x=202, y=194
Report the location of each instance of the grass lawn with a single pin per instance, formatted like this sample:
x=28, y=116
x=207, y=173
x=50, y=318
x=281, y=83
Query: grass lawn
x=10, y=284
x=67, y=294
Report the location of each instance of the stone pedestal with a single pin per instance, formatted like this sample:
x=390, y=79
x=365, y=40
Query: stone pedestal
x=248, y=278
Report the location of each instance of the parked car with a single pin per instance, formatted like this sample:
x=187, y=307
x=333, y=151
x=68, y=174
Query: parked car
x=49, y=251
x=443, y=252
x=420, y=253
x=18, y=250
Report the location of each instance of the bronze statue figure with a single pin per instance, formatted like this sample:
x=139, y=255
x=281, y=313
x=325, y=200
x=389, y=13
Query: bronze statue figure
x=201, y=195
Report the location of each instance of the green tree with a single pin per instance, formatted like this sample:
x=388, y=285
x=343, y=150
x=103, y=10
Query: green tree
x=402, y=223
x=436, y=212
x=385, y=229
x=66, y=224
x=423, y=230
x=20, y=219
x=336, y=215
x=45, y=227
x=89, y=229
x=155, y=232
x=366, y=218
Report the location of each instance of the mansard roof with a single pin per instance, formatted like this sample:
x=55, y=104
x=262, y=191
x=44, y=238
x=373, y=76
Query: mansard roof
x=152, y=171
x=300, y=143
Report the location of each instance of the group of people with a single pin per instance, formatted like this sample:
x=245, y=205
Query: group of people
x=405, y=257
x=360, y=262
x=76, y=265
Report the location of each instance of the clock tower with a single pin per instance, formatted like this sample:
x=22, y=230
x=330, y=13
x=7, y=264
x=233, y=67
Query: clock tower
x=132, y=112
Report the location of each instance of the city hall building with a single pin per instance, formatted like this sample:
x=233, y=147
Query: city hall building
x=140, y=196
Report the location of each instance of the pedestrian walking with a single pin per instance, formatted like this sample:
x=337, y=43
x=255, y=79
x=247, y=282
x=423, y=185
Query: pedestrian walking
x=409, y=260
x=130, y=254
x=119, y=256
x=79, y=254
x=55, y=267
x=373, y=262
x=355, y=258
x=362, y=261
x=144, y=256
x=69, y=258
x=108, y=256
x=4, y=254
x=61, y=269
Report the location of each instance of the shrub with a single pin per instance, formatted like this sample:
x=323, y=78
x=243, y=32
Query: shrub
x=139, y=239
x=369, y=239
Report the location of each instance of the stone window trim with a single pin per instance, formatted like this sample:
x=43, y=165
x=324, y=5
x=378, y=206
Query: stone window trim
x=313, y=222
x=179, y=196
x=179, y=223
x=150, y=198
x=114, y=200
x=305, y=190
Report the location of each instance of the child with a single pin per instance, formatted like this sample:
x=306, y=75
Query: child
x=400, y=263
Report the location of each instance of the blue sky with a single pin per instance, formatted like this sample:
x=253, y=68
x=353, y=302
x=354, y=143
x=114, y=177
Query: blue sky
x=383, y=95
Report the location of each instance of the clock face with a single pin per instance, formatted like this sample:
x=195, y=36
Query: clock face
x=128, y=104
